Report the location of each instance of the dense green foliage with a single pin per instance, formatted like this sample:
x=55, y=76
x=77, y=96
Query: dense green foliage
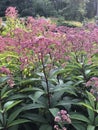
x=69, y=9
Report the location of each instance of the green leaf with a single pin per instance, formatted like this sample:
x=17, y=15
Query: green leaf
x=17, y=96
x=96, y=121
x=13, y=115
x=27, y=81
x=1, y=117
x=91, y=113
x=36, y=95
x=54, y=111
x=30, y=89
x=3, y=79
x=41, y=74
x=13, y=127
x=79, y=126
x=1, y=128
x=18, y=121
x=86, y=105
x=9, y=54
x=87, y=71
x=96, y=105
x=35, y=117
x=67, y=89
x=90, y=127
x=4, y=95
x=80, y=117
x=8, y=105
x=91, y=99
x=67, y=102
x=45, y=127
x=33, y=106
x=4, y=89
x=55, y=72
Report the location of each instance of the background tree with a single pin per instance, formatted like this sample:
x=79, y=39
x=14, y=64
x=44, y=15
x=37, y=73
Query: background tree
x=91, y=8
x=96, y=7
x=69, y=9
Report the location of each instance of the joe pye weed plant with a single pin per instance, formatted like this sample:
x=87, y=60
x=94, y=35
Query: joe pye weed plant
x=47, y=75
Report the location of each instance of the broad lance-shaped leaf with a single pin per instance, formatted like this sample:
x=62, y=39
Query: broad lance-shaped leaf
x=53, y=80
x=65, y=89
x=55, y=72
x=32, y=106
x=67, y=102
x=8, y=105
x=17, y=96
x=15, y=127
x=13, y=115
x=86, y=105
x=91, y=113
x=96, y=121
x=87, y=71
x=18, y=121
x=6, y=94
x=1, y=128
x=54, y=111
x=30, y=89
x=90, y=127
x=1, y=118
x=3, y=79
x=35, y=117
x=45, y=127
x=41, y=74
x=80, y=117
x=78, y=125
x=97, y=106
x=27, y=81
x=4, y=90
x=91, y=99
x=36, y=95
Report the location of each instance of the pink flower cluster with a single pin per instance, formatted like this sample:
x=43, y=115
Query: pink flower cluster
x=11, y=82
x=41, y=38
x=93, y=82
x=45, y=38
x=6, y=71
x=2, y=44
x=62, y=117
x=56, y=127
x=11, y=12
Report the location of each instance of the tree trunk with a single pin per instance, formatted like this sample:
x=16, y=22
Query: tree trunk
x=96, y=7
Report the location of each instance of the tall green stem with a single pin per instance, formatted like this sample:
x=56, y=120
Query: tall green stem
x=46, y=80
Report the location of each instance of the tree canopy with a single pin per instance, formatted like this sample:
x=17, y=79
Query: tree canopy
x=69, y=9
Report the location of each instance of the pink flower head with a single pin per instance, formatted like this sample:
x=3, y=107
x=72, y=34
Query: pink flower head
x=63, y=112
x=93, y=82
x=5, y=70
x=64, y=128
x=30, y=20
x=68, y=120
x=92, y=91
x=11, y=83
x=64, y=117
x=57, y=119
x=11, y=12
x=56, y=127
